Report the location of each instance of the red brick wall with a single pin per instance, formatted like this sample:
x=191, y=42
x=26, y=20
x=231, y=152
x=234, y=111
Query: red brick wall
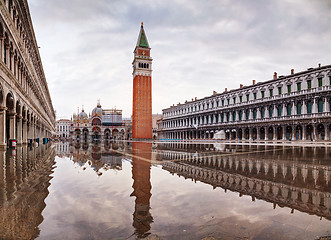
x=142, y=108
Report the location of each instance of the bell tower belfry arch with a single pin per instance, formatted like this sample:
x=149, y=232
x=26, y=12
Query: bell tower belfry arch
x=142, y=89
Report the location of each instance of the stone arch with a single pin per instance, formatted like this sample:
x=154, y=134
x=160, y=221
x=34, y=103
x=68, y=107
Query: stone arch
x=270, y=133
x=10, y=101
x=107, y=134
x=279, y=132
x=298, y=132
x=1, y=95
x=254, y=133
x=115, y=134
x=85, y=134
x=320, y=131
x=289, y=132
x=122, y=134
x=309, y=132
x=262, y=133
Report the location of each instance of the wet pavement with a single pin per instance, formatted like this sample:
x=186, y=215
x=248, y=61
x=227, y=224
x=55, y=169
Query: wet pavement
x=165, y=191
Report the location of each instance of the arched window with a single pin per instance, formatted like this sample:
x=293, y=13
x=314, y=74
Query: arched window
x=289, y=109
x=228, y=117
x=309, y=107
x=320, y=105
x=254, y=113
x=262, y=112
x=279, y=111
x=299, y=106
x=240, y=115
x=234, y=116
x=247, y=114
x=96, y=121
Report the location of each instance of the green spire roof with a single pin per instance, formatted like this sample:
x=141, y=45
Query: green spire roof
x=143, y=41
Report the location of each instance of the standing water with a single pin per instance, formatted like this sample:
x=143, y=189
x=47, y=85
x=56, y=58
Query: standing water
x=165, y=191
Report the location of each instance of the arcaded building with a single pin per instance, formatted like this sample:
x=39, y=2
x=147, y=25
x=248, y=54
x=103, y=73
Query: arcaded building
x=26, y=111
x=292, y=107
x=142, y=89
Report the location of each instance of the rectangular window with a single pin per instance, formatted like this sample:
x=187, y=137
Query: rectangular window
x=330, y=80
x=222, y=102
x=228, y=101
x=299, y=86
x=254, y=95
x=241, y=98
x=289, y=90
x=247, y=97
x=320, y=82
x=234, y=100
x=271, y=92
x=262, y=94
x=309, y=84
x=279, y=90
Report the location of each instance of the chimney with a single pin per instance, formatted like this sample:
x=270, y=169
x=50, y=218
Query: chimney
x=192, y=99
x=214, y=92
x=241, y=86
x=196, y=98
x=292, y=71
x=226, y=89
x=319, y=65
x=253, y=82
x=275, y=75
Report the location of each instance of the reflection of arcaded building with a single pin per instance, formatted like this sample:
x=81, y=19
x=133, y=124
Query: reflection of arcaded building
x=26, y=110
x=24, y=181
x=141, y=167
x=296, y=107
x=100, y=125
x=304, y=183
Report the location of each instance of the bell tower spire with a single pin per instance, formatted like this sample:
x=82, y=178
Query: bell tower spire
x=142, y=88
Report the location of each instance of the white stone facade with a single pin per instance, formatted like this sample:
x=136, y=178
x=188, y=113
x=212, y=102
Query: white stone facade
x=26, y=111
x=63, y=127
x=293, y=107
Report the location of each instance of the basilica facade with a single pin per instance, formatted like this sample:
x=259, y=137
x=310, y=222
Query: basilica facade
x=292, y=107
x=100, y=125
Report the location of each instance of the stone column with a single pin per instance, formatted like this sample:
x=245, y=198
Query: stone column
x=326, y=105
x=2, y=127
x=258, y=114
x=314, y=110
x=293, y=137
x=294, y=109
x=250, y=131
x=304, y=137
x=250, y=114
x=275, y=111
x=327, y=132
x=275, y=133
x=12, y=123
x=25, y=131
x=19, y=130
x=284, y=110
x=258, y=135
x=284, y=128
x=265, y=133
x=237, y=116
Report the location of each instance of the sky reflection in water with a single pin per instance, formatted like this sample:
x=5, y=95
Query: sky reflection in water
x=186, y=192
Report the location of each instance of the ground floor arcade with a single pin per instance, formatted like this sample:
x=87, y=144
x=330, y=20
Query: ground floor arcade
x=290, y=131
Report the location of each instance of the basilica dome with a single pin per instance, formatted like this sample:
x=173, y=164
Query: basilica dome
x=97, y=111
x=83, y=115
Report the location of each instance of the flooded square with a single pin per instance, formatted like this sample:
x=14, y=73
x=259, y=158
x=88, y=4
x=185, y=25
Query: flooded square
x=137, y=190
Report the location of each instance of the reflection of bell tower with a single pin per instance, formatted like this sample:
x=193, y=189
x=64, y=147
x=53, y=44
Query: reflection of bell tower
x=142, y=89
x=142, y=218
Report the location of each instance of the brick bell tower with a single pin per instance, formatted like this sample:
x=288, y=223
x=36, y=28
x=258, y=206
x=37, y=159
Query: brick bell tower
x=142, y=89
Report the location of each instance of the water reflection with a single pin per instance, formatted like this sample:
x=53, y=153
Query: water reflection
x=141, y=167
x=24, y=180
x=287, y=179
x=296, y=177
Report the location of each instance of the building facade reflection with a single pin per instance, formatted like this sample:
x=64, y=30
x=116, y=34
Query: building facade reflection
x=24, y=181
x=141, y=174
x=298, y=178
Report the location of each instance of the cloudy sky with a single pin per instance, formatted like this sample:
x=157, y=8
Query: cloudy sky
x=197, y=46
